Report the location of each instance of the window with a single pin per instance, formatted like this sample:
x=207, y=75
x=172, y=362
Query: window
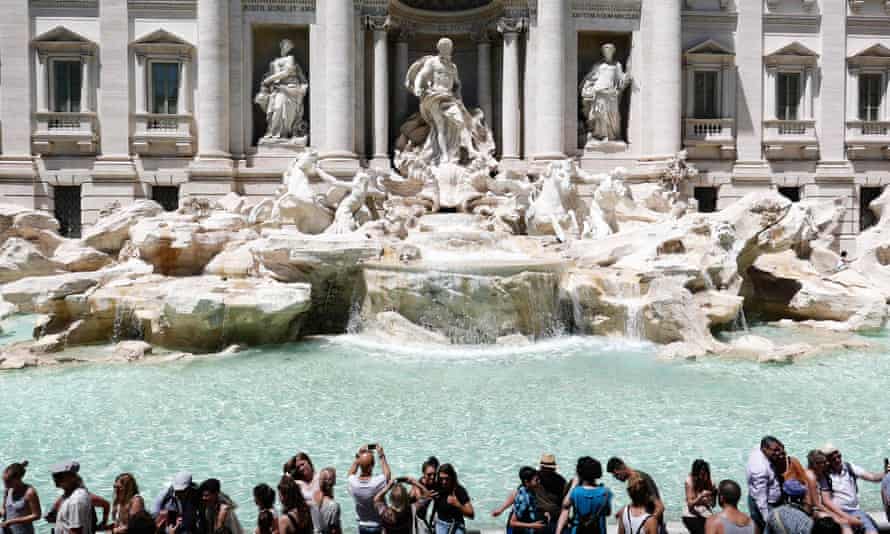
x=66, y=83
x=707, y=199
x=788, y=97
x=791, y=193
x=706, y=94
x=166, y=195
x=164, y=88
x=871, y=93
x=67, y=209
x=867, y=218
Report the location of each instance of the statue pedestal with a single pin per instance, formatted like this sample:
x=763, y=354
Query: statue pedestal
x=596, y=146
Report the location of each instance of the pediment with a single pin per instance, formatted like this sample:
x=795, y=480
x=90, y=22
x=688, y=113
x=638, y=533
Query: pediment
x=876, y=54
x=162, y=42
x=792, y=54
x=61, y=38
x=710, y=46
x=876, y=50
x=794, y=49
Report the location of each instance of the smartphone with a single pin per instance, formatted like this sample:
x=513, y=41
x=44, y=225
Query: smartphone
x=402, y=480
x=371, y=447
x=172, y=516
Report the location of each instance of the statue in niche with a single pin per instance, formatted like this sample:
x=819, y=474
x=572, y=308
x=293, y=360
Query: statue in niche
x=445, y=139
x=281, y=97
x=601, y=92
x=445, y=132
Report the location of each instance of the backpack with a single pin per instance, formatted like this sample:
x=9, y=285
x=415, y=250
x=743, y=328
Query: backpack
x=590, y=523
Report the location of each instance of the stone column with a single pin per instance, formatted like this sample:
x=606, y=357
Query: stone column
x=339, y=56
x=510, y=110
x=114, y=164
x=400, y=94
x=553, y=18
x=483, y=73
x=17, y=175
x=85, y=83
x=380, y=26
x=213, y=80
x=664, y=76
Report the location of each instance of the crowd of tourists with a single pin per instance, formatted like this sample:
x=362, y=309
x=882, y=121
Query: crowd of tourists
x=784, y=497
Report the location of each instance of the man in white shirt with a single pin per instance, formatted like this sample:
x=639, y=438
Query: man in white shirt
x=75, y=513
x=363, y=485
x=843, y=484
x=764, y=488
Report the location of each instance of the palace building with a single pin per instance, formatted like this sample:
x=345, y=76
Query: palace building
x=105, y=101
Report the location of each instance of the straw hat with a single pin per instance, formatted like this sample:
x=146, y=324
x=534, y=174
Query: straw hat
x=548, y=461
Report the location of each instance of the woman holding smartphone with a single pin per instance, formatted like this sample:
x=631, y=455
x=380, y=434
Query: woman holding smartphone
x=452, y=503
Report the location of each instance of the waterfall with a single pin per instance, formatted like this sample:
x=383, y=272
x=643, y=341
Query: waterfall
x=632, y=299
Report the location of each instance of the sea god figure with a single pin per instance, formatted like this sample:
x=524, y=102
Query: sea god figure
x=281, y=96
x=600, y=94
x=434, y=80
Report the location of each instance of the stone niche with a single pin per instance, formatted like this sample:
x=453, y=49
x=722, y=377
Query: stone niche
x=266, y=41
x=466, y=56
x=589, y=53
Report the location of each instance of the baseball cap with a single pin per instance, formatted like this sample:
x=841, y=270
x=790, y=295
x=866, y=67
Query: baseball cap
x=182, y=481
x=65, y=467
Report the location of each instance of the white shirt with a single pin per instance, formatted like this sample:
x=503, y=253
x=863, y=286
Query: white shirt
x=363, y=492
x=843, y=487
x=763, y=485
x=75, y=512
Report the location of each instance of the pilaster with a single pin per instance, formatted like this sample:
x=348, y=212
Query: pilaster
x=511, y=115
x=750, y=90
x=17, y=171
x=664, y=76
x=380, y=26
x=831, y=123
x=114, y=164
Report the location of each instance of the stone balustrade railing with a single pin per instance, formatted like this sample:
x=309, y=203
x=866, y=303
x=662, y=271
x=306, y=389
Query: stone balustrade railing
x=779, y=129
x=161, y=134
x=717, y=130
x=64, y=132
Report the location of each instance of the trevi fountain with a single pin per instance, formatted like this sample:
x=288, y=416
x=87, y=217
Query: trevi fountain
x=427, y=304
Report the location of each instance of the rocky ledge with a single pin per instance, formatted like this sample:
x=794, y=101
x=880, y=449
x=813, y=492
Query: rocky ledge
x=645, y=265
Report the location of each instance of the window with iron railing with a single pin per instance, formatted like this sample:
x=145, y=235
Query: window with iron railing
x=871, y=96
x=164, y=88
x=66, y=84
x=788, y=96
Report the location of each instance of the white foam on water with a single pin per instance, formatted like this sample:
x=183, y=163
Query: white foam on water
x=551, y=348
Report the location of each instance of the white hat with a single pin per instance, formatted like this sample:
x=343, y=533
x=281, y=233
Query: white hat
x=182, y=481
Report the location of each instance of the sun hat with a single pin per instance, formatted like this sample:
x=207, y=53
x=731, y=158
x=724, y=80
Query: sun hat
x=548, y=461
x=182, y=481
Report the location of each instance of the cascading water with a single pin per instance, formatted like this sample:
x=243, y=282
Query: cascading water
x=632, y=300
x=740, y=323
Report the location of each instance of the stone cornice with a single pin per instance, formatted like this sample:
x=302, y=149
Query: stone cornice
x=795, y=23
x=711, y=20
x=164, y=7
x=864, y=25
x=65, y=4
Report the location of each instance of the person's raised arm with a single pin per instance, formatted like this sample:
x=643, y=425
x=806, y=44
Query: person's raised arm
x=421, y=492
x=387, y=473
x=692, y=499
x=382, y=493
x=354, y=467
x=507, y=503
x=867, y=475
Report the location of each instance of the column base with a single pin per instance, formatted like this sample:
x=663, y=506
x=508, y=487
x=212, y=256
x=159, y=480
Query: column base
x=340, y=163
x=381, y=162
x=752, y=171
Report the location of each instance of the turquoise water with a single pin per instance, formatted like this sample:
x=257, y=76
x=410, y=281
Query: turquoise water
x=488, y=411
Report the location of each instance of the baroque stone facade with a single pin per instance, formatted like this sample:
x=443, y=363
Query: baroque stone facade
x=106, y=101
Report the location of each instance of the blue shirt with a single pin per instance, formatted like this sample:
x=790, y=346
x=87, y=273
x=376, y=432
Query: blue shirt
x=591, y=501
x=525, y=508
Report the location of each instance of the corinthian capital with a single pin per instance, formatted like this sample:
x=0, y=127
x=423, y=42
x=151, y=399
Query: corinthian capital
x=378, y=23
x=512, y=24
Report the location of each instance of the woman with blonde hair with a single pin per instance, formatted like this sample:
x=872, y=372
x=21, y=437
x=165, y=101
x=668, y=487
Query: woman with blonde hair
x=325, y=510
x=397, y=516
x=126, y=502
x=634, y=519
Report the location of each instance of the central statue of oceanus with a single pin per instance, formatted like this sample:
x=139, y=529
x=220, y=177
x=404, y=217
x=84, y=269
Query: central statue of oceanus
x=444, y=137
